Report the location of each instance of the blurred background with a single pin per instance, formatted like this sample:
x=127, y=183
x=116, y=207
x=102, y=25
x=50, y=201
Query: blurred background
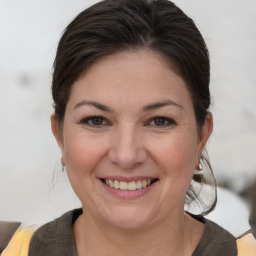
x=33, y=189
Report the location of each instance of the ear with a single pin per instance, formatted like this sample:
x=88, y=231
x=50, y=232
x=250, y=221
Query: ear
x=56, y=131
x=206, y=131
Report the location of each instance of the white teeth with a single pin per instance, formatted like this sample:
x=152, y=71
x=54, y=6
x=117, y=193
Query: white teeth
x=132, y=185
x=111, y=183
x=139, y=184
x=116, y=184
x=123, y=185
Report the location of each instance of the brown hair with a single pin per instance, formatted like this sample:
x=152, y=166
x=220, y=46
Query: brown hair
x=116, y=25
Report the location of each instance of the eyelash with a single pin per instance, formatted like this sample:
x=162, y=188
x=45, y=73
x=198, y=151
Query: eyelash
x=167, y=121
x=89, y=121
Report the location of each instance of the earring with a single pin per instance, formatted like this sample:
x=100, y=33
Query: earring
x=199, y=169
x=63, y=166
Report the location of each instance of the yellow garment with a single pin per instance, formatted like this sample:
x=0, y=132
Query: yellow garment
x=19, y=244
x=246, y=246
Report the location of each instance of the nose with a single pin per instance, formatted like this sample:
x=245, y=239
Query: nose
x=127, y=149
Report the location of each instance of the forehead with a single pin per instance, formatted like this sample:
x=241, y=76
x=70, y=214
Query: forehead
x=132, y=76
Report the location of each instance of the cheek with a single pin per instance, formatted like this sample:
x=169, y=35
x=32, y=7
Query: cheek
x=177, y=155
x=82, y=153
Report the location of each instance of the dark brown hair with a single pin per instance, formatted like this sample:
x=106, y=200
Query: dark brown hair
x=117, y=25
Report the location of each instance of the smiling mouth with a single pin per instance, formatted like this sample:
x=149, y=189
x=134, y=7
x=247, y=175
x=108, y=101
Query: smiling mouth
x=128, y=186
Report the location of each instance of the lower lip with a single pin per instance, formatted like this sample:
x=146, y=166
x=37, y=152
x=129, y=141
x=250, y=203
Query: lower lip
x=129, y=194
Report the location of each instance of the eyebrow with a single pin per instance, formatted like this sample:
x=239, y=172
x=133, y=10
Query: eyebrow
x=94, y=104
x=161, y=104
x=146, y=108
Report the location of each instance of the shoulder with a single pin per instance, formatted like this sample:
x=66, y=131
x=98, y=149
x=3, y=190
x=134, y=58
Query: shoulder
x=55, y=237
x=215, y=240
x=20, y=242
x=218, y=241
x=7, y=229
x=246, y=244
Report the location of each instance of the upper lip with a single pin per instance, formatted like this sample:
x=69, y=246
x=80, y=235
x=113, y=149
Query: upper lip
x=128, y=179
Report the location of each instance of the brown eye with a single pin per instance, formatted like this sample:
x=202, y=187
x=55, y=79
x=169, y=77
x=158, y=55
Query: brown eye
x=97, y=121
x=94, y=121
x=161, y=121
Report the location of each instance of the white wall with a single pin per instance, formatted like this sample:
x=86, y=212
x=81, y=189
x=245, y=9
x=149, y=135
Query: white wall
x=32, y=187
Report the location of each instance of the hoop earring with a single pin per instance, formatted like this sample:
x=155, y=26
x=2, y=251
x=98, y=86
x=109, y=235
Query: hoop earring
x=199, y=169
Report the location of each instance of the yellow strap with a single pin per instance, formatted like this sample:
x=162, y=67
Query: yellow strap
x=19, y=244
x=246, y=246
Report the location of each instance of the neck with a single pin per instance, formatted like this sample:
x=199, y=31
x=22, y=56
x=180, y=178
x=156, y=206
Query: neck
x=174, y=236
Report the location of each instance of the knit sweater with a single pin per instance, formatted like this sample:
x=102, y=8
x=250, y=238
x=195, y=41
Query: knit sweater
x=56, y=238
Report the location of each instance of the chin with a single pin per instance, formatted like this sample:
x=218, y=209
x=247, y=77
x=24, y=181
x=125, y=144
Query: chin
x=129, y=218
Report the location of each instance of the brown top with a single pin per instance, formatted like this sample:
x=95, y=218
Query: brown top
x=56, y=238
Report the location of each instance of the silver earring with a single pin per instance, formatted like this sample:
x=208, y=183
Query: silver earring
x=199, y=169
x=63, y=166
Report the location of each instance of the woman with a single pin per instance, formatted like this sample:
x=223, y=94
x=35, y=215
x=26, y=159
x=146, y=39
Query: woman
x=131, y=97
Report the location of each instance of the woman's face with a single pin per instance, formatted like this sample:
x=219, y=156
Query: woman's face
x=130, y=141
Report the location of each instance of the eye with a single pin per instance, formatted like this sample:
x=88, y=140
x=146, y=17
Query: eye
x=161, y=121
x=94, y=121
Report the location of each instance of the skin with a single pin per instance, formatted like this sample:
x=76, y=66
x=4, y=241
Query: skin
x=129, y=141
